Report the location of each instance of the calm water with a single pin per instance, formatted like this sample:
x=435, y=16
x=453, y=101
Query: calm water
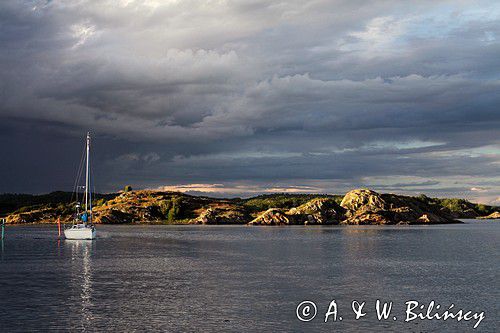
x=245, y=279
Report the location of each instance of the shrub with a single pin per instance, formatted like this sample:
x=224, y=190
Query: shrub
x=25, y=209
x=99, y=202
x=172, y=208
x=165, y=206
x=283, y=200
x=484, y=210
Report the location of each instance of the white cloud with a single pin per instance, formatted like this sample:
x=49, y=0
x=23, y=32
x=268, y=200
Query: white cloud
x=81, y=32
x=478, y=189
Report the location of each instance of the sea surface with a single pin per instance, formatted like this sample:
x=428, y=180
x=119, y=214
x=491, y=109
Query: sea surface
x=247, y=279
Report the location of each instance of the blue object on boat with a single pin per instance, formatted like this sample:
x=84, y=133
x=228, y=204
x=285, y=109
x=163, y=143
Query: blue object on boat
x=84, y=217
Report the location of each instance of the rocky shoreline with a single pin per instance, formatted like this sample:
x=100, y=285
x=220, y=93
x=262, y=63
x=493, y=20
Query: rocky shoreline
x=360, y=207
x=357, y=207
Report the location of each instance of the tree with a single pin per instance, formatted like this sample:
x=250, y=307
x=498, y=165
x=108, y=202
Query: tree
x=173, y=214
x=165, y=206
x=172, y=209
x=127, y=188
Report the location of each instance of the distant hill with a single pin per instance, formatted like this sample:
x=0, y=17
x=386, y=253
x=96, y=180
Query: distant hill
x=13, y=202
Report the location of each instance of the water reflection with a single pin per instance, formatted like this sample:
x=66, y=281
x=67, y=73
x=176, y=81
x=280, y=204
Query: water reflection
x=81, y=257
x=237, y=279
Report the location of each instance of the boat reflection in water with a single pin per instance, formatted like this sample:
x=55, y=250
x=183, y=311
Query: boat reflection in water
x=81, y=282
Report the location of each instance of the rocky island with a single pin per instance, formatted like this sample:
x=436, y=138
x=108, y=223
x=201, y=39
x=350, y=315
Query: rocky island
x=359, y=207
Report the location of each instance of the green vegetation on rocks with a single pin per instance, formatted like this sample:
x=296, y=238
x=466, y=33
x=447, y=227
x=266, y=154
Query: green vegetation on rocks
x=171, y=208
x=283, y=200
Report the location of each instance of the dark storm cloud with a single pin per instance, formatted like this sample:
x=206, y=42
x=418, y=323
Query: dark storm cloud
x=256, y=95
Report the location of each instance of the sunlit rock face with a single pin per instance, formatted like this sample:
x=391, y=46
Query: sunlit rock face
x=222, y=215
x=492, y=216
x=369, y=207
x=318, y=211
x=363, y=199
x=274, y=216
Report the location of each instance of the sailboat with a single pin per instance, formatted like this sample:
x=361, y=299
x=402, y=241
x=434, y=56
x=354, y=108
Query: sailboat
x=82, y=227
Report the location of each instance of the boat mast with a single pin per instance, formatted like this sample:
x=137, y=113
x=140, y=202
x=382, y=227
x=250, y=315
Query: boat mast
x=87, y=180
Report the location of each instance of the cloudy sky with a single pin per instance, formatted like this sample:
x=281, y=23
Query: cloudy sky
x=235, y=98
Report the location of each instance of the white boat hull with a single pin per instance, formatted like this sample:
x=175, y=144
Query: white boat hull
x=80, y=231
